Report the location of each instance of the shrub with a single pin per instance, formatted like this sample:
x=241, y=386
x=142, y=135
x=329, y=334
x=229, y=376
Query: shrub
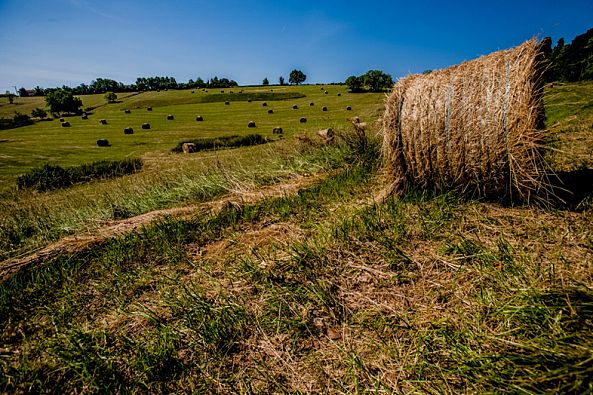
x=49, y=177
x=214, y=143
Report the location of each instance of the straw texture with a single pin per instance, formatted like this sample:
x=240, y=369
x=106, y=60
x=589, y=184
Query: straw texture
x=476, y=127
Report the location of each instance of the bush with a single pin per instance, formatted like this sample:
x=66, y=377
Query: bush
x=17, y=121
x=214, y=143
x=49, y=177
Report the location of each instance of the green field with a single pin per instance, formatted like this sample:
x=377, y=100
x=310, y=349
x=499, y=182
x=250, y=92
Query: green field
x=287, y=273
x=46, y=141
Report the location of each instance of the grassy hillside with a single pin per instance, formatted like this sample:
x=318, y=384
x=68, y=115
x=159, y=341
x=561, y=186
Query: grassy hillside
x=27, y=147
x=325, y=289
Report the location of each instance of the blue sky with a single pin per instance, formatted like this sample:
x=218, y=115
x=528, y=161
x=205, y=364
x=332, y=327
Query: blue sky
x=55, y=42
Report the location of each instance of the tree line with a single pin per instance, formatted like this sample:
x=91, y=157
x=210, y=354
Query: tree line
x=569, y=62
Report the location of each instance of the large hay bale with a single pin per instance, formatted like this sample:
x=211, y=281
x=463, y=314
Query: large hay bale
x=303, y=120
x=126, y=111
x=227, y=103
x=264, y=104
x=199, y=118
x=84, y=116
x=295, y=107
x=128, y=130
x=251, y=124
x=148, y=108
x=145, y=126
x=324, y=108
x=170, y=117
x=103, y=143
x=65, y=124
x=277, y=130
x=348, y=108
x=475, y=127
x=270, y=111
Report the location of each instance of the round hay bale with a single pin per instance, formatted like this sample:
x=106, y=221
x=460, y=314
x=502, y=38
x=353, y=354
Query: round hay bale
x=188, y=148
x=199, y=118
x=326, y=92
x=277, y=130
x=126, y=111
x=222, y=91
x=475, y=127
x=251, y=124
x=103, y=121
x=62, y=119
x=84, y=116
x=65, y=124
x=303, y=120
x=348, y=108
x=270, y=111
x=248, y=100
x=103, y=143
x=264, y=104
x=339, y=94
x=226, y=103
x=324, y=108
x=145, y=126
x=322, y=88
x=170, y=117
x=193, y=92
x=295, y=107
x=128, y=130
x=311, y=104
x=148, y=108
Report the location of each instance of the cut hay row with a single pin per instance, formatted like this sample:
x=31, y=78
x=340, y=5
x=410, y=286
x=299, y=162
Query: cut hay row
x=475, y=127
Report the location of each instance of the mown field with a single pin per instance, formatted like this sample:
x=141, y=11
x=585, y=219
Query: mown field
x=27, y=147
x=317, y=288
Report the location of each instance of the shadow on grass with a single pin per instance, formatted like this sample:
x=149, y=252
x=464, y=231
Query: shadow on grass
x=572, y=188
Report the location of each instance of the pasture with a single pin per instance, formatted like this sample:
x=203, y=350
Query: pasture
x=47, y=141
x=277, y=269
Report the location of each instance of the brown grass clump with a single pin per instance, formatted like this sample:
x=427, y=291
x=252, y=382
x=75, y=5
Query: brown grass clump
x=475, y=127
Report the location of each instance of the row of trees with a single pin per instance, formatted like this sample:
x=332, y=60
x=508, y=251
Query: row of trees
x=296, y=77
x=569, y=62
x=372, y=80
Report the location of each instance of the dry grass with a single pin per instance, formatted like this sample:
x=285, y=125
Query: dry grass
x=474, y=127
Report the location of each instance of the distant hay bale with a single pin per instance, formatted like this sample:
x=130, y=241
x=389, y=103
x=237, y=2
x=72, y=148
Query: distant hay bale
x=84, y=116
x=103, y=121
x=326, y=135
x=103, y=143
x=128, y=130
x=264, y=104
x=126, y=111
x=170, y=117
x=62, y=119
x=270, y=111
x=326, y=92
x=148, y=108
x=348, y=108
x=221, y=91
x=251, y=124
x=295, y=107
x=303, y=120
x=277, y=130
x=145, y=126
x=475, y=127
x=227, y=103
x=324, y=108
x=248, y=100
x=199, y=118
x=65, y=124
x=188, y=148
x=311, y=104
x=339, y=94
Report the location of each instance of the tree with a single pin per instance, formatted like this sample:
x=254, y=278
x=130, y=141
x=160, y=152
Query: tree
x=110, y=97
x=377, y=81
x=39, y=113
x=265, y=81
x=296, y=77
x=61, y=100
x=354, y=83
x=23, y=92
x=281, y=80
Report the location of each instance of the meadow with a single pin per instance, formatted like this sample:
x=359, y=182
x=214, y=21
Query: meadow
x=317, y=287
